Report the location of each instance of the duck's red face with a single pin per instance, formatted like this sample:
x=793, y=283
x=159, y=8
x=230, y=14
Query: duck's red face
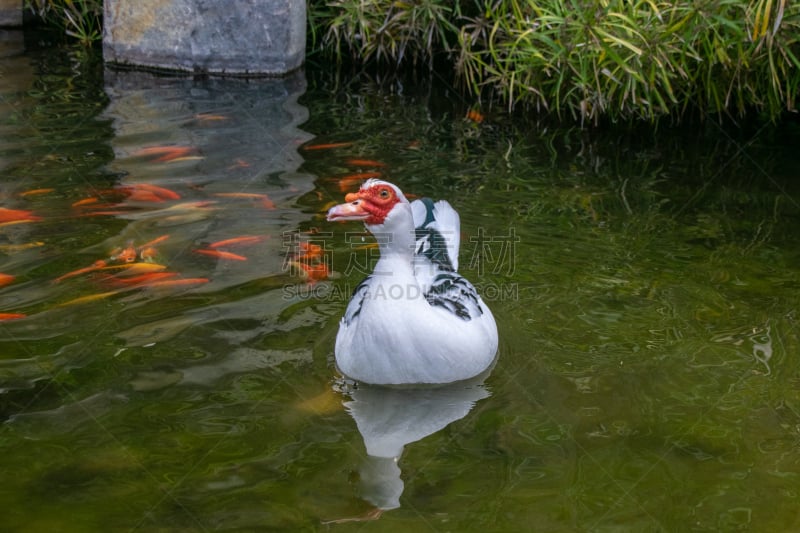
x=372, y=203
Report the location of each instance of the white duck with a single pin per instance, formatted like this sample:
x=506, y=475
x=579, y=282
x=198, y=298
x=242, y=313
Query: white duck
x=414, y=320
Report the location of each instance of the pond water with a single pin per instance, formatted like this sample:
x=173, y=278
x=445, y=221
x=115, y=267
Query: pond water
x=646, y=285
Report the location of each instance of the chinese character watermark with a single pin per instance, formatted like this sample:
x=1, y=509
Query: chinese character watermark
x=308, y=255
x=495, y=251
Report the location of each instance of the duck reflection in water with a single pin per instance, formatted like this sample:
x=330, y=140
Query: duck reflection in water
x=390, y=418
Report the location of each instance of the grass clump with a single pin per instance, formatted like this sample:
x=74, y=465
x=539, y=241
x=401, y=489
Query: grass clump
x=586, y=59
x=81, y=20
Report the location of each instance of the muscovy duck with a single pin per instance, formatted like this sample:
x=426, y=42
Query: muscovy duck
x=414, y=320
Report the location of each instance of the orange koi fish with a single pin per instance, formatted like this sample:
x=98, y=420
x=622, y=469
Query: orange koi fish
x=311, y=273
x=187, y=158
x=86, y=201
x=144, y=192
x=90, y=298
x=327, y=146
x=167, y=194
x=177, y=282
x=309, y=250
x=250, y=195
x=97, y=265
x=105, y=213
x=220, y=254
x=365, y=163
x=263, y=198
x=5, y=279
x=475, y=116
x=144, y=196
x=102, y=265
x=346, y=183
x=12, y=316
x=17, y=215
x=34, y=192
x=165, y=153
x=140, y=279
x=126, y=255
x=148, y=253
x=208, y=117
x=157, y=240
x=134, y=268
x=244, y=240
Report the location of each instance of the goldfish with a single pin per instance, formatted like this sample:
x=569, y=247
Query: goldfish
x=165, y=153
x=346, y=183
x=17, y=215
x=126, y=255
x=177, y=282
x=264, y=199
x=110, y=199
x=365, y=163
x=251, y=195
x=86, y=201
x=109, y=213
x=475, y=116
x=312, y=273
x=102, y=265
x=34, y=192
x=90, y=298
x=243, y=240
x=5, y=279
x=155, y=241
x=309, y=250
x=208, y=117
x=97, y=265
x=327, y=146
x=148, y=253
x=145, y=192
x=187, y=158
x=131, y=253
x=141, y=279
x=220, y=254
x=134, y=268
x=12, y=316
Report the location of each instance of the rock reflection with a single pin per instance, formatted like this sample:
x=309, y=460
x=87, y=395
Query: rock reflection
x=389, y=419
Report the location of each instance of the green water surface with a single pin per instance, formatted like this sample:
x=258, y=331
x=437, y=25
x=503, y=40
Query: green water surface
x=646, y=285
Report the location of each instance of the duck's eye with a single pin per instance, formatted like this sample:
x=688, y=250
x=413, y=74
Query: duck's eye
x=384, y=193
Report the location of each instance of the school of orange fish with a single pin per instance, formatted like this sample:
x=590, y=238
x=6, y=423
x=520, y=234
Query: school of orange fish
x=135, y=266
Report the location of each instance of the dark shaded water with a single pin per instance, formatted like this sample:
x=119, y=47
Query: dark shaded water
x=645, y=286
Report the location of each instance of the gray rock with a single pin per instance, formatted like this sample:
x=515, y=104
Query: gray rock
x=11, y=13
x=235, y=37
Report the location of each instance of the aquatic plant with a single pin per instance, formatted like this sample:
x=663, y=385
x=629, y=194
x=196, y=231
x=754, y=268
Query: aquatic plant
x=613, y=59
x=79, y=19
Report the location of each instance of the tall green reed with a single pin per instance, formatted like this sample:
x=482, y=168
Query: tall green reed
x=590, y=60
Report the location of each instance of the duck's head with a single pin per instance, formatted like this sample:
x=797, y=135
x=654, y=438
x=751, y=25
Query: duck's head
x=374, y=203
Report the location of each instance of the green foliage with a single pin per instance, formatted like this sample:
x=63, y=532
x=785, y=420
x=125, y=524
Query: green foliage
x=386, y=30
x=587, y=59
x=79, y=19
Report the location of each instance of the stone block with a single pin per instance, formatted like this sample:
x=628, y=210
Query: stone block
x=10, y=12
x=231, y=37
